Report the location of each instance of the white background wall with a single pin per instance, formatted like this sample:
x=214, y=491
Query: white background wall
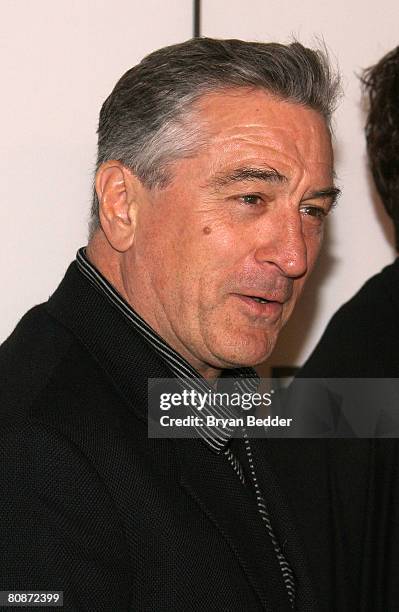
x=360, y=239
x=60, y=59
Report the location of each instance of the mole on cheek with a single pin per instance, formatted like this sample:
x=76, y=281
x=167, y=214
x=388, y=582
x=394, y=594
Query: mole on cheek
x=207, y=229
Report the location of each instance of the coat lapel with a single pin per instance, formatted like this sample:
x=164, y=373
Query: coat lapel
x=277, y=471
x=210, y=480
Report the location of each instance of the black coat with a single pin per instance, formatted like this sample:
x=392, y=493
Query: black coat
x=362, y=338
x=91, y=506
x=362, y=341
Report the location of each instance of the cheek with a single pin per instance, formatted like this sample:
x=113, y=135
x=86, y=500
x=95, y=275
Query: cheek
x=314, y=241
x=297, y=290
x=214, y=260
x=221, y=246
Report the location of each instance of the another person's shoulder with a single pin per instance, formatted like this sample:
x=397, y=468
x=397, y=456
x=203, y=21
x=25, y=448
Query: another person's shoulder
x=361, y=338
x=378, y=297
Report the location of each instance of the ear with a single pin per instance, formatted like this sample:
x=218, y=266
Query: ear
x=117, y=192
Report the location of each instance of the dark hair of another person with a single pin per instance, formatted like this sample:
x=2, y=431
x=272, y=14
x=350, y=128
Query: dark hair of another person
x=382, y=131
x=151, y=117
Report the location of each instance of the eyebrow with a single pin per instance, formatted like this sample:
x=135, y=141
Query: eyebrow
x=329, y=192
x=270, y=175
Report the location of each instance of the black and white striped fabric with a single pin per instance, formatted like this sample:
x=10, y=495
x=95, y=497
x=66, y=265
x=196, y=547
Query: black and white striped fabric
x=285, y=567
x=217, y=438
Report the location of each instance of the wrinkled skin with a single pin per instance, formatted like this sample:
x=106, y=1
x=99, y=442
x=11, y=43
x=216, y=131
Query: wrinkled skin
x=244, y=217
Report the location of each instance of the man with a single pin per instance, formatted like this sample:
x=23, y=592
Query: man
x=362, y=338
x=213, y=181
x=361, y=342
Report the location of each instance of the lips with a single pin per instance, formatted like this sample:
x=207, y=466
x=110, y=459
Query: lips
x=259, y=299
x=260, y=306
x=264, y=298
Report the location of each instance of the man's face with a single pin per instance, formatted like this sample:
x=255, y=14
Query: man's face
x=221, y=255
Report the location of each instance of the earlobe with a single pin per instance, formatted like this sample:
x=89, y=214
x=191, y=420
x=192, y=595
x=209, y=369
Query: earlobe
x=117, y=204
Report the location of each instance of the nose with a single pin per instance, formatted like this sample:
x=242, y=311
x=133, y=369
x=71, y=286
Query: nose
x=284, y=246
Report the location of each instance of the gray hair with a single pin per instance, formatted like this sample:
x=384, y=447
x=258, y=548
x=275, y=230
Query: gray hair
x=148, y=121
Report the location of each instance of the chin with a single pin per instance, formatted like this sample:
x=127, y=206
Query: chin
x=247, y=352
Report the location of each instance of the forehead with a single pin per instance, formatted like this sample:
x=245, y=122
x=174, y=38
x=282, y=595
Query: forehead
x=258, y=127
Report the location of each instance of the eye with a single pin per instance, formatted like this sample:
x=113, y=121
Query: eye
x=315, y=212
x=250, y=199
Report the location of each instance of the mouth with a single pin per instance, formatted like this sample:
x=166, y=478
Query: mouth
x=259, y=299
x=260, y=306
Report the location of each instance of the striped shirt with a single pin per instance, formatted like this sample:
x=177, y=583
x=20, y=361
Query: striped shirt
x=216, y=438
